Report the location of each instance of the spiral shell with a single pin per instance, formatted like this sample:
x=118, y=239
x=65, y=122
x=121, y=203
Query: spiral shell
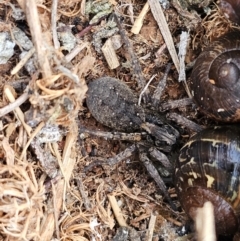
x=208, y=169
x=215, y=79
x=231, y=9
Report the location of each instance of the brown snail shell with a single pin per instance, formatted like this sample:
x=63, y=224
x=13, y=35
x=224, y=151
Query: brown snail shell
x=215, y=79
x=208, y=169
x=231, y=9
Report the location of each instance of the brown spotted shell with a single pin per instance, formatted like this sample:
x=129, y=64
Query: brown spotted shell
x=215, y=79
x=208, y=169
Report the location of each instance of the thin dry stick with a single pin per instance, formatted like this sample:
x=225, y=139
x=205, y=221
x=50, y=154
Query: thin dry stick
x=83, y=193
x=15, y=104
x=77, y=49
x=139, y=20
x=116, y=210
x=23, y=61
x=37, y=37
x=21, y=4
x=54, y=24
x=151, y=226
x=35, y=132
x=19, y=114
x=182, y=54
x=163, y=26
x=56, y=210
x=205, y=224
x=48, y=224
x=145, y=89
x=174, y=221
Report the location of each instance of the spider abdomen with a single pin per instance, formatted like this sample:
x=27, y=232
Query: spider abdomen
x=208, y=169
x=113, y=104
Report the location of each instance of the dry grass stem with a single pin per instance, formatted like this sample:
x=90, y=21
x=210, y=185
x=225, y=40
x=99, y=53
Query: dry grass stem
x=54, y=24
x=47, y=191
x=19, y=114
x=151, y=226
x=22, y=201
x=163, y=26
x=139, y=20
x=205, y=224
x=117, y=211
x=13, y=105
x=23, y=61
x=37, y=37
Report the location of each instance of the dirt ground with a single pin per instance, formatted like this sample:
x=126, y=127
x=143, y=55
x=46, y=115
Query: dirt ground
x=47, y=191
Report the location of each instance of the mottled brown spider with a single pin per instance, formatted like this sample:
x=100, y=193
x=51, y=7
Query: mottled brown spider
x=113, y=104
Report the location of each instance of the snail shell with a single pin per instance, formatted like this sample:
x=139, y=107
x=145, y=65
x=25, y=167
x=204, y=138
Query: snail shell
x=208, y=169
x=215, y=79
x=231, y=9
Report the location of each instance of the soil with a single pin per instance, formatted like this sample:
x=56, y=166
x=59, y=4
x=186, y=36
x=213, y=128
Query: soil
x=48, y=188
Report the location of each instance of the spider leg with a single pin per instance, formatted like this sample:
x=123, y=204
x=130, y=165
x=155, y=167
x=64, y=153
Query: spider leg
x=137, y=70
x=113, y=135
x=112, y=160
x=155, y=175
x=161, y=133
x=173, y=104
x=184, y=122
x=161, y=86
x=162, y=158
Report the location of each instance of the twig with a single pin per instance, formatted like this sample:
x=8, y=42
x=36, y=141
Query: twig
x=116, y=210
x=82, y=191
x=69, y=74
x=37, y=37
x=56, y=210
x=18, y=112
x=110, y=54
x=182, y=54
x=54, y=24
x=23, y=61
x=139, y=20
x=205, y=224
x=163, y=26
x=145, y=89
x=75, y=51
x=15, y=104
x=174, y=221
x=151, y=227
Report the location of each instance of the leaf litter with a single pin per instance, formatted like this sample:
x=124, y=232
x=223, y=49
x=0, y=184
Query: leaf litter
x=45, y=192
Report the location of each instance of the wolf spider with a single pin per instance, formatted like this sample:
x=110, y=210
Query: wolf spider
x=113, y=104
